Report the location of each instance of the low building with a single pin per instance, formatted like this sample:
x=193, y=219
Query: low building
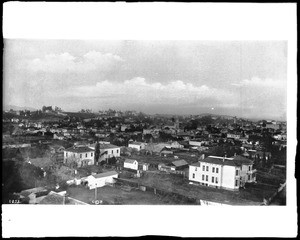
x=195, y=143
x=131, y=164
x=100, y=179
x=222, y=172
x=143, y=166
x=233, y=135
x=33, y=195
x=137, y=145
x=180, y=164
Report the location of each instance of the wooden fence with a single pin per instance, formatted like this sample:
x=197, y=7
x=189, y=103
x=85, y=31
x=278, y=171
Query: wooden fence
x=160, y=192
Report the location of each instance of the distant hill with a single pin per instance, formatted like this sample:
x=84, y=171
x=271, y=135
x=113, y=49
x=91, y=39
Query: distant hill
x=17, y=108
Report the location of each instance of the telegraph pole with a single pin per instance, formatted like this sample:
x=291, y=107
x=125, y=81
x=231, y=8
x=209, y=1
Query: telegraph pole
x=96, y=193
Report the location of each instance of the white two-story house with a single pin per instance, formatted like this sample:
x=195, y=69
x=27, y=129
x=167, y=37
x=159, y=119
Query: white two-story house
x=83, y=155
x=107, y=151
x=222, y=172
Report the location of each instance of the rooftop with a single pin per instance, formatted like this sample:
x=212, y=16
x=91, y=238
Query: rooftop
x=179, y=163
x=129, y=160
x=136, y=143
x=236, y=161
x=80, y=149
x=104, y=146
x=105, y=174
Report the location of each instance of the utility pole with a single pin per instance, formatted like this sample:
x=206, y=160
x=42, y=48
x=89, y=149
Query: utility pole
x=96, y=193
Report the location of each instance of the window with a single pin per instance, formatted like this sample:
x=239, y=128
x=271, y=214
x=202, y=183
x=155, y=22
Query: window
x=216, y=180
x=213, y=169
x=195, y=169
x=212, y=179
x=236, y=183
x=203, y=168
x=66, y=154
x=86, y=155
x=207, y=168
x=91, y=154
x=249, y=168
x=202, y=177
x=249, y=177
x=237, y=172
x=80, y=155
x=193, y=175
x=118, y=151
x=217, y=170
x=206, y=178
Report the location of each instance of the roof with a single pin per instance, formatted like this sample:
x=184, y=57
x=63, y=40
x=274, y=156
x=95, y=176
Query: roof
x=136, y=143
x=53, y=198
x=105, y=174
x=129, y=161
x=79, y=149
x=196, y=164
x=27, y=192
x=236, y=161
x=104, y=146
x=179, y=163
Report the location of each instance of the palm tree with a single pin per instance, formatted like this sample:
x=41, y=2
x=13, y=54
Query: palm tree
x=97, y=152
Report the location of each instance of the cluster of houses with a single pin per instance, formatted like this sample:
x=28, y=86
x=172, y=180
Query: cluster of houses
x=229, y=173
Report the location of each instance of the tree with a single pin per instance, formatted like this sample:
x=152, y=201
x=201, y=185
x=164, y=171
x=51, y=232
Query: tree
x=112, y=160
x=72, y=162
x=97, y=152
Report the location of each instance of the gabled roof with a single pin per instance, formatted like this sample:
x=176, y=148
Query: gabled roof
x=179, y=163
x=129, y=161
x=105, y=174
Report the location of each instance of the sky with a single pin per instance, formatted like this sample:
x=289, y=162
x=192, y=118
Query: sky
x=238, y=78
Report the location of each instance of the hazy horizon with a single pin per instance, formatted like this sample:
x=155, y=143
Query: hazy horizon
x=246, y=79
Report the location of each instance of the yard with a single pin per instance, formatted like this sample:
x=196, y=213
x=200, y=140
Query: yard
x=252, y=195
x=113, y=195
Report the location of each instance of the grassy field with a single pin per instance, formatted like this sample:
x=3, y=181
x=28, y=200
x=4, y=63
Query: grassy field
x=177, y=184
x=113, y=195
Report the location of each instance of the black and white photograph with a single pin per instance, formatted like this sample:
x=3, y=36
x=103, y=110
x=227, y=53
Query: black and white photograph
x=153, y=126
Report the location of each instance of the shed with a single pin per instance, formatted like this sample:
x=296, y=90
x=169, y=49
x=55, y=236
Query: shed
x=101, y=179
x=131, y=164
x=180, y=164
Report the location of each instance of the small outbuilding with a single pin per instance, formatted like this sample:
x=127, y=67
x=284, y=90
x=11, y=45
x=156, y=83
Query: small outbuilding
x=100, y=179
x=131, y=164
x=180, y=164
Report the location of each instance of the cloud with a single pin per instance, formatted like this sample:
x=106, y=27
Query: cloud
x=65, y=62
x=139, y=91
